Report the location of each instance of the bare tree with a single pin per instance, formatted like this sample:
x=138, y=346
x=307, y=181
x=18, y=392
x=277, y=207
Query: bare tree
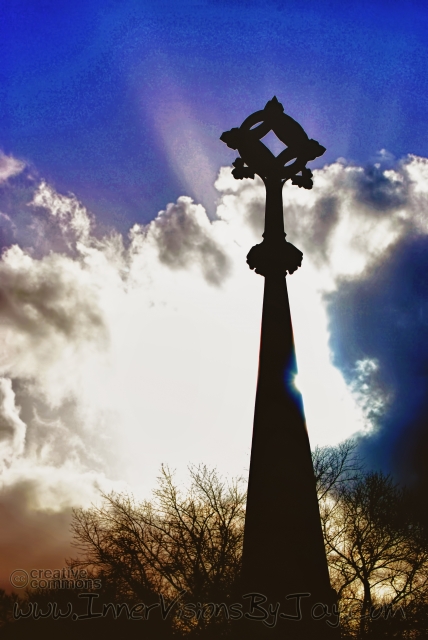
x=335, y=466
x=174, y=543
x=376, y=549
x=192, y=541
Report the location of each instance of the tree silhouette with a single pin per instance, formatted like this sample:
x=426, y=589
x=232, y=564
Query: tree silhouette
x=376, y=549
x=335, y=466
x=176, y=544
x=186, y=547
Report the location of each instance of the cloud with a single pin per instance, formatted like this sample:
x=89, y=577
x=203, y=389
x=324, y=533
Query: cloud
x=120, y=353
x=9, y=166
x=342, y=222
x=363, y=231
x=38, y=219
x=98, y=358
x=47, y=297
x=70, y=215
x=384, y=319
x=12, y=428
x=184, y=235
x=380, y=190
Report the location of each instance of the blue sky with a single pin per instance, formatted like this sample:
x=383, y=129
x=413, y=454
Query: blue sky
x=90, y=90
x=129, y=321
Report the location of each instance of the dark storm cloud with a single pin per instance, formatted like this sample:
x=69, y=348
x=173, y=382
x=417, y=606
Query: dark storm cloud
x=380, y=190
x=384, y=318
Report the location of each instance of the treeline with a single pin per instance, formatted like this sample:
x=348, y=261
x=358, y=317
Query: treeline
x=169, y=567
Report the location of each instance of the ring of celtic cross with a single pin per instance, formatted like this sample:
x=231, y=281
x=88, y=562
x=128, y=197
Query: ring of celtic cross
x=255, y=157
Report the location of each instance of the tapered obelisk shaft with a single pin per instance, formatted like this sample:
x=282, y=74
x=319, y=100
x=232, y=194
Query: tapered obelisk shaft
x=283, y=543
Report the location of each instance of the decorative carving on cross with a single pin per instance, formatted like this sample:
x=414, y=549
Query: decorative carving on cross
x=255, y=157
x=274, y=255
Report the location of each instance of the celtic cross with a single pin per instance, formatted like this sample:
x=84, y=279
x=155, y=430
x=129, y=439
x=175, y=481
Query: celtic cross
x=274, y=255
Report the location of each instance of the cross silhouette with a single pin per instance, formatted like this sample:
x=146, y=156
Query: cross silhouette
x=274, y=255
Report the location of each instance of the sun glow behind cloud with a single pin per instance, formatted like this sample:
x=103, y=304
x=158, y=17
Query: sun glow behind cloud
x=332, y=413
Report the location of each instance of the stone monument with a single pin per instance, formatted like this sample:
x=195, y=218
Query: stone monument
x=284, y=559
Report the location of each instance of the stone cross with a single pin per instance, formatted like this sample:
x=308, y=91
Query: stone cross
x=284, y=559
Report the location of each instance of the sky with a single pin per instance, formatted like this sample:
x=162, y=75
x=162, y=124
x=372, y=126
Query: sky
x=129, y=320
